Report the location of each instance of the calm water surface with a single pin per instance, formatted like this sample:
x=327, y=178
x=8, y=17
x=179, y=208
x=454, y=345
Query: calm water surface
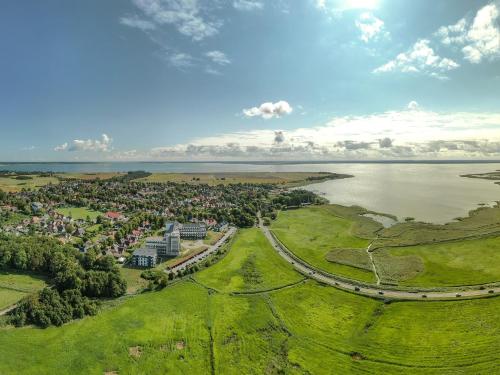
x=427, y=192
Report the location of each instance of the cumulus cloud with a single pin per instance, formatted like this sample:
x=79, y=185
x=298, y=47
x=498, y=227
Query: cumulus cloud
x=371, y=27
x=420, y=58
x=479, y=38
x=279, y=137
x=413, y=105
x=218, y=57
x=99, y=145
x=385, y=142
x=248, y=5
x=269, y=110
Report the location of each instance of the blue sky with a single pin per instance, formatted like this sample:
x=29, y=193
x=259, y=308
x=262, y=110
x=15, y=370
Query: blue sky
x=249, y=80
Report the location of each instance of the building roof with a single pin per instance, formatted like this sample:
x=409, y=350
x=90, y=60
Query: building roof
x=113, y=215
x=170, y=227
x=145, y=252
x=154, y=239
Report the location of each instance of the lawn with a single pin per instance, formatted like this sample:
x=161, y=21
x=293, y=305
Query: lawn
x=16, y=285
x=464, y=262
x=251, y=264
x=312, y=233
x=9, y=297
x=134, y=280
x=212, y=237
x=307, y=328
x=11, y=184
x=78, y=213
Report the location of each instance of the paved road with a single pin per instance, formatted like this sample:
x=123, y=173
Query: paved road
x=212, y=249
x=377, y=291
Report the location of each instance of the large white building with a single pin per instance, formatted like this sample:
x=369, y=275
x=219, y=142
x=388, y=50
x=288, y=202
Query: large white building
x=193, y=230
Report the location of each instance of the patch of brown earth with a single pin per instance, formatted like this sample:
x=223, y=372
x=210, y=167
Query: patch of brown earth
x=180, y=345
x=355, y=356
x=135, y=351
x=111, y=373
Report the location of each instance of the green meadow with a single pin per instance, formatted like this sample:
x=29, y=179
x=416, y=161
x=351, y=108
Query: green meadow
x=78, y=213
x=465, y=262
x=250, y=314
x=15, y=285
x=315, y=234
x=304, y=329
x=251, y=265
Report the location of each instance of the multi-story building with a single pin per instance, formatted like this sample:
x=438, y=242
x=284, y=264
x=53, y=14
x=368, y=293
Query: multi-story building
x=144, y=258
x=193, y=230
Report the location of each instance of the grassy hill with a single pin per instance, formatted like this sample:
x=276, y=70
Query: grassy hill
x=316, y=234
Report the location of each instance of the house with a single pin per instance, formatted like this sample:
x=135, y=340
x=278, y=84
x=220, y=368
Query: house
x=144, y=258
x=113, y=215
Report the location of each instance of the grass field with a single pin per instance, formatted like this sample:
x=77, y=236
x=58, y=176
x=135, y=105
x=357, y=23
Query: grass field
x=312, y=233
x=11, y=184
x=251, y=264
x=78, y=213
x=16, y=285
x=134, y=280
x=307, y=328
x=91, y=176
x=226, y=178
x=465, y=262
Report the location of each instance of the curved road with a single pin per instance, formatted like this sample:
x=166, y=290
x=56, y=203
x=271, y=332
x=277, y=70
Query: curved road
x=373, y=291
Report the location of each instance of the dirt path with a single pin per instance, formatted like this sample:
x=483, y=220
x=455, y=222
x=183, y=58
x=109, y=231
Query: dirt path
x=374, y=267
x=377, y=291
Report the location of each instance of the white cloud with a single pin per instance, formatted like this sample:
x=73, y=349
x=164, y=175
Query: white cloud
x=218, y=57
x=421, y=58
x=269, y=110
x=180, y=60
x=100, y=145
x=371, y=27
x=185, y=15
x=479, y=38
x=137, y=23
x=413, y=105
x=248, y=4
x=406, y=133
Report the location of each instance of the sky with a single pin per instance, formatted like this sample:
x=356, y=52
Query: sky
x=173, y=80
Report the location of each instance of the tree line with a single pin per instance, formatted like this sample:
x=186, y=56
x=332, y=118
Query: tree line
x=77, y=280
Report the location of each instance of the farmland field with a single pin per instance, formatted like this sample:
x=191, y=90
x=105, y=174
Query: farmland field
x=225, y=178
x=312, y=233
x=13, y=184
x=465, y=262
